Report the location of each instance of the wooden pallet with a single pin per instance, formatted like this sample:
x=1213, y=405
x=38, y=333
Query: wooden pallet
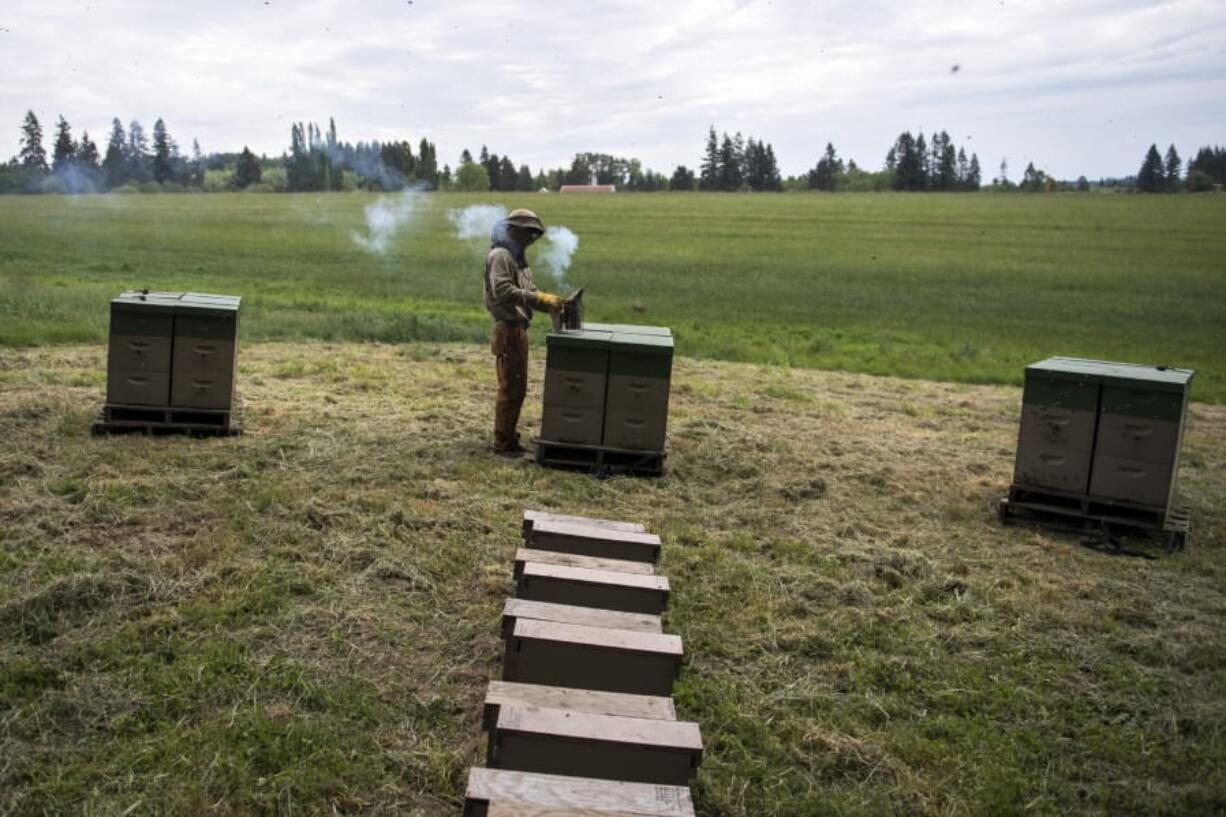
x=1028, y=502
x=601, y=460
x=159, y=420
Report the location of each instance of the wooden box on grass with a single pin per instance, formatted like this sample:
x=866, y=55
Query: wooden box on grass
x=587, y=540
x=586, y=744
x=586, y=587
x=574, y=655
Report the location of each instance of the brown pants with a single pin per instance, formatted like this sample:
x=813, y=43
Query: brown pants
x=510, y=348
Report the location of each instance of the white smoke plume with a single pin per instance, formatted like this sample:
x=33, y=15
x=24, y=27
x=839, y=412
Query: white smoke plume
x=385, y=217
x=476, y=221
x=557, y=253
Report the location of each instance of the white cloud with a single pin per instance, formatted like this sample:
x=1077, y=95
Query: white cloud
x=1077, y=86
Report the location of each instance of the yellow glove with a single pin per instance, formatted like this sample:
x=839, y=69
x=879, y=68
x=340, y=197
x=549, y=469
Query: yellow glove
x=546, y=301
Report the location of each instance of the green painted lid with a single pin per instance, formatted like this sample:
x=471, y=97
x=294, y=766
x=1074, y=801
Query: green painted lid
x=642, y=344
x=628, y=328
x=579, y=338
x=146, y=302
x=1151, y=378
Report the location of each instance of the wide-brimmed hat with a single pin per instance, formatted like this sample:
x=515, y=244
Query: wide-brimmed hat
x=526, y=219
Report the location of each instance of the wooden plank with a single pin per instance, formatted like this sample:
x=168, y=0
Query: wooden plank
x=509, y=809
x=553, y=557
x=515, y=609
x=583, y=540
x=531, y=517
x=584, y=587
x=584, y=744
x=487, y=787
x=509, y=693
x=572, y=655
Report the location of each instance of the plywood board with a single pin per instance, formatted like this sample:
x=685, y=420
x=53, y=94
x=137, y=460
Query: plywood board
x=493, y=786
x=510, y=693
x=514, y=609
x=585, y=540
x=553, y=557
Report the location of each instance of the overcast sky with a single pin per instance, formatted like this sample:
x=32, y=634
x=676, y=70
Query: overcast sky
x=1077, y=86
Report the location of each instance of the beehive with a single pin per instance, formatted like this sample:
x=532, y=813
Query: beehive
x=1109, y=431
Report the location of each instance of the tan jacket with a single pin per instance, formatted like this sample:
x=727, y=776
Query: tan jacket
x=509, y=291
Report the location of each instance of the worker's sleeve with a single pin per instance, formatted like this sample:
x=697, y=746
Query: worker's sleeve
x=502, y=283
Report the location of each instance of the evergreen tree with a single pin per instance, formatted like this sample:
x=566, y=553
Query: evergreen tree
x=465, y=157
x=908, y=167
x=945, y=168
x=973, y=179
x=427, y=164
x=65, y=150
x=740, y=156
x=163, y=168
x=508, y=176
x=115, y=163
x=524, y=181
x=136, y=167
x=247, y=171
x=32, y=156
x=1033, y=181
x=683, y=179
x=1174, y=169
x=197, y=164
x=730, y=176
x=1083, y=184
x=1003, y=179
x=774, y=180
x=709, y=171
x=826, y=173
x=444, y=178
x=87, y=153
x=1207, y=168
x=1151, y=178
x=923, y=163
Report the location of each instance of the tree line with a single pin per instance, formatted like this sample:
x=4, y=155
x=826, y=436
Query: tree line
x=317, y=160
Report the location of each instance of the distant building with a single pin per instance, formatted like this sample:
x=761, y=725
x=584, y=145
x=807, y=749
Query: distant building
x=588, y=188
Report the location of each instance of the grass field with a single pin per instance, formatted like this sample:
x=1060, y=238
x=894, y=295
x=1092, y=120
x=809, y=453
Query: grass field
x=301, y=620
x=953, y=287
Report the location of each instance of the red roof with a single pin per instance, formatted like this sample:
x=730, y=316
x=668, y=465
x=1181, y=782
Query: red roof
x=588, y=188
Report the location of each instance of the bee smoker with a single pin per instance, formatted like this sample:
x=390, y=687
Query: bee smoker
x=571, y=314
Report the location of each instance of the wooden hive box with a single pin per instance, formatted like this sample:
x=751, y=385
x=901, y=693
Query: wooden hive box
x=573, y=655
x=515, y=609
x=587, y=744
x=585, y=587
x=510, y=693
x=553, y=557
x=525, y=794
x=588, y=540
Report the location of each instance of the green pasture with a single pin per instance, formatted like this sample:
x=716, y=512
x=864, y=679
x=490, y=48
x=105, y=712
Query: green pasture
x=952, y=287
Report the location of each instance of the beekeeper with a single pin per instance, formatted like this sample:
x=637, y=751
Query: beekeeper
x=511, y=298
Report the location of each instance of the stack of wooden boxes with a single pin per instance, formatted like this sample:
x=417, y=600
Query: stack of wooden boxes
x=583, y=721
x=1101, y=440
x=171, y=361
x=606, y=388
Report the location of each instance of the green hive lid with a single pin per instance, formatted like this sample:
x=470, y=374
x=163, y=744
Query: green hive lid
x=146, y=301
x=1154, y=378
x=643, y=344
x=579, y=338
x=201, y=303
x=628, y=328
